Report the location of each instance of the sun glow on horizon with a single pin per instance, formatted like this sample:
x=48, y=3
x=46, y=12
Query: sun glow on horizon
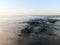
x=29, y=7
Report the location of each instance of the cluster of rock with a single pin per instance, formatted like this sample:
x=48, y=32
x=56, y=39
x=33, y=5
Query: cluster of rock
x=38, y=32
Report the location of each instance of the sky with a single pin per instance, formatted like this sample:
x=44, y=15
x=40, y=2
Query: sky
x=29, y=7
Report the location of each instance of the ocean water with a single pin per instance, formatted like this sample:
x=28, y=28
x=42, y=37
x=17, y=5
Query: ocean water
x=10, y=27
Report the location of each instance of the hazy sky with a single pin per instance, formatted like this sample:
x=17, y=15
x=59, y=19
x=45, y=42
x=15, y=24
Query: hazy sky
x=29, y=7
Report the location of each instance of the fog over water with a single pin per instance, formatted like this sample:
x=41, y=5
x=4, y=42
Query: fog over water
x=10, y=27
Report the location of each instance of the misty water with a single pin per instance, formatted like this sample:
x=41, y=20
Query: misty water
x=10, y=27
